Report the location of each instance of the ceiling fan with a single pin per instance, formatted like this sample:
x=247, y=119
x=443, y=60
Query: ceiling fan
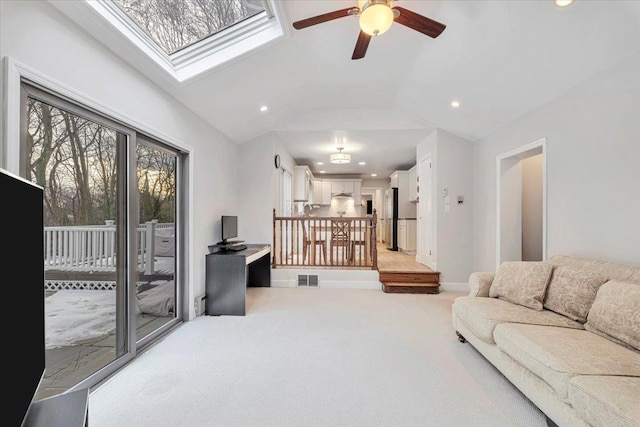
x=376, y=16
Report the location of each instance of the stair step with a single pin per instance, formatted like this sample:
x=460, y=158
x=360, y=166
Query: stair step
x=410, y=288
x=409, y=277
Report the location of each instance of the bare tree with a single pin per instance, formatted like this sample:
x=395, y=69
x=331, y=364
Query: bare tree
x=175, y=24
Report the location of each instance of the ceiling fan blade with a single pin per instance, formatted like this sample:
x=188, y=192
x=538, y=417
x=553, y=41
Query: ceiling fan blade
x=361, y=45
x=418, y=22
x=298, y=25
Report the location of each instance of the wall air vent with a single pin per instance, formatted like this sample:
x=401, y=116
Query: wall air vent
x=313, y=280
x=303, y=280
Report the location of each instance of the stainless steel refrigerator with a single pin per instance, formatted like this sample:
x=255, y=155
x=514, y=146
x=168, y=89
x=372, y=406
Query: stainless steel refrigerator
x=391, y=218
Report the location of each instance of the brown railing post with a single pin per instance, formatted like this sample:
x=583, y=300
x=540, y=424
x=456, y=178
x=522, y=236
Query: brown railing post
x=273, y=262
x=374, y=241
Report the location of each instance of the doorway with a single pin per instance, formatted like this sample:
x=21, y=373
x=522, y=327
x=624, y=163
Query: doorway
x=521, y=204
x=370, y=202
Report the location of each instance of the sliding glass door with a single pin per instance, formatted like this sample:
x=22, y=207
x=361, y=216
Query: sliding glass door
x=156, y=291
x=111, y=237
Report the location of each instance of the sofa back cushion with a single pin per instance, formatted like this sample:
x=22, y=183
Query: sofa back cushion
x=571, y=292
x=615, y=313
x=612, y=270
x=522, y=282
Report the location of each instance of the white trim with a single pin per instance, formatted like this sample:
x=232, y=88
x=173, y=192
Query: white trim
x=10, y=153
x=329, y=284
x=520, y=152
x=327, y=278
x=454, y=287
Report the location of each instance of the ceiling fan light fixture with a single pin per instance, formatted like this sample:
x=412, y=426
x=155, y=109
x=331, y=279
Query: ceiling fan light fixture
x=563, y=3
x=376, y=18
x=340, y=157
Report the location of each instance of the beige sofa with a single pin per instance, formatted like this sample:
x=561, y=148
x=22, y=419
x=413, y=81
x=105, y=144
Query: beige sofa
x=579, y=364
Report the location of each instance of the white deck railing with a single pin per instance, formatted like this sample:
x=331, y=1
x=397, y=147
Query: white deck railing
x=93, y=247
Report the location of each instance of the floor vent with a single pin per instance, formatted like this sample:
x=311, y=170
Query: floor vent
x=313, y=280
x=303, y=280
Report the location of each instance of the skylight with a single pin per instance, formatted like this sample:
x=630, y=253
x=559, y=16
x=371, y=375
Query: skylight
x=183, y=37
x=176, y=24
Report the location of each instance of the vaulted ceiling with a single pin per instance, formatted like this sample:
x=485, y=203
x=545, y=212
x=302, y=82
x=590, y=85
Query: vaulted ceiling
x=499, y=59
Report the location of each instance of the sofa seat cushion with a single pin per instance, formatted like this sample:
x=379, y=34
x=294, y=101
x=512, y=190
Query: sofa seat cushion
x=482, y=315
x=558, y=354
x=606, y=400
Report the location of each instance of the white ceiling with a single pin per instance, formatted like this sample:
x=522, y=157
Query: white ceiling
x=500, y=59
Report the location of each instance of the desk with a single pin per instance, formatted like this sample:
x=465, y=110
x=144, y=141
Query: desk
x=229, y=273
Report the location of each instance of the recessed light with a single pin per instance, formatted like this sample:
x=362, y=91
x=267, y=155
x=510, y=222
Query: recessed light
x=323, y=171
x=362, y=163
x=320, y=163
x=374, y=174
x=264, y=108
x=563, y=3
x=455, y=104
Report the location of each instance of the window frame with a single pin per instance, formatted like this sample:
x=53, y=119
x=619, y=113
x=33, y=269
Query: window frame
x=101, y=18
x=13, y=122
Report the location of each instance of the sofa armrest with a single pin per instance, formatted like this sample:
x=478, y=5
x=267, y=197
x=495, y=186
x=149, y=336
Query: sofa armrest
x=479, y=283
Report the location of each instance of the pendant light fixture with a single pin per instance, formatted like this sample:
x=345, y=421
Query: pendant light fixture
x=340, y=157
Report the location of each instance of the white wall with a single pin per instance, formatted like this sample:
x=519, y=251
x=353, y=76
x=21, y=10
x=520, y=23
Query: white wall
x=593, y=178
x=452, y=168
x=38, y=35
x=511, y=210
x=259, y=186
x=455, y=228
x=532, y=208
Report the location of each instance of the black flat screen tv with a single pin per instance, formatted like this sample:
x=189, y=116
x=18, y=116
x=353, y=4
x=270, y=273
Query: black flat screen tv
x=22, y=351
x=229, y=227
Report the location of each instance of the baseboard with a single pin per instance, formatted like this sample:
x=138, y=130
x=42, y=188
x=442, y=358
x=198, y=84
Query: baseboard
x=454, y=286
x=337, y=284
x=330, y=284
x=330, y=279
x=283, y=283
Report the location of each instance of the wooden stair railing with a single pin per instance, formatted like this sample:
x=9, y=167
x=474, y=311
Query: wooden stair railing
x=307, y=242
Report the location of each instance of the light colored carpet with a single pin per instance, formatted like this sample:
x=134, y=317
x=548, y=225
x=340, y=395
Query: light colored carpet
x=315, y=357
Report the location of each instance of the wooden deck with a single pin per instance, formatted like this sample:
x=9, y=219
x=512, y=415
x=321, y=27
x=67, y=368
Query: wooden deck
x=401, y=273
x=68, y=365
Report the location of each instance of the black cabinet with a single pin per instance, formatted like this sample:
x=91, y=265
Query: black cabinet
x=229, y=273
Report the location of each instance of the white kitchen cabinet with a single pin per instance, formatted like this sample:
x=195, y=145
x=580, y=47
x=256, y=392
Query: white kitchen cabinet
x=406, y=208
x=326, y=192
x=402, y=234
x=342, y=187
x=347, y=186
x=317, y=192
x=325, y=189
x=302, y=184
x=413, y=184
x=407, y=235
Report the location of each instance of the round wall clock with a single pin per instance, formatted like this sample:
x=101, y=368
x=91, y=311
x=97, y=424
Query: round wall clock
x=277, y=161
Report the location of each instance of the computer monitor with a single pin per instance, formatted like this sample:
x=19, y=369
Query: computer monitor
x=229, y=227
